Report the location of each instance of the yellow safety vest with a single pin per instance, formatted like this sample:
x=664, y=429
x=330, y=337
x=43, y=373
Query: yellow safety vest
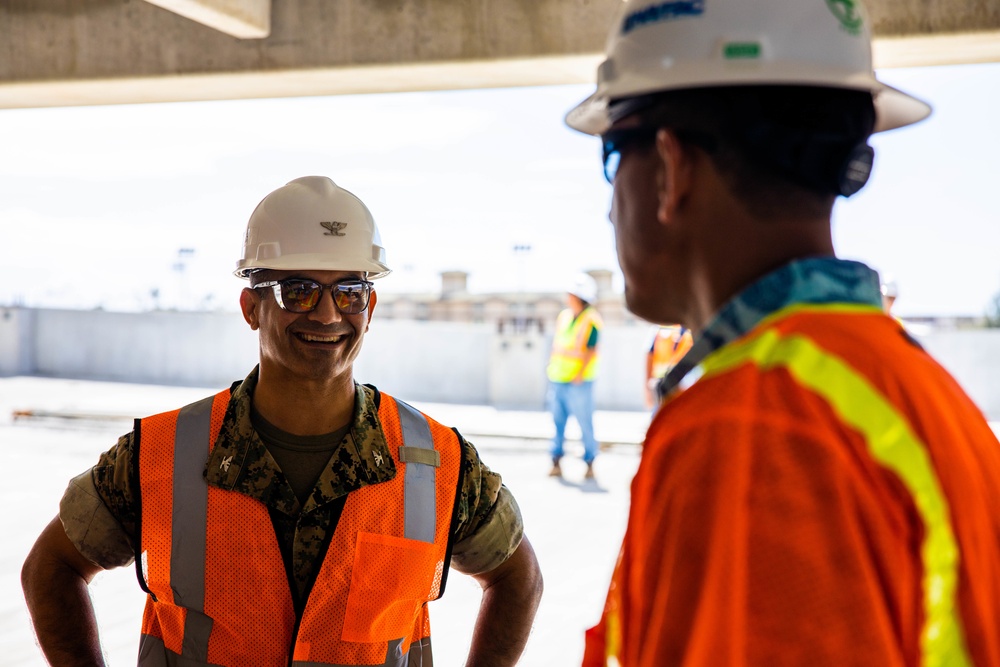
x=569, y=346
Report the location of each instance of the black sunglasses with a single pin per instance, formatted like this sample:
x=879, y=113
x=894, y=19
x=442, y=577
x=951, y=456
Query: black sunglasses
x=615, y=141
x=300, y=295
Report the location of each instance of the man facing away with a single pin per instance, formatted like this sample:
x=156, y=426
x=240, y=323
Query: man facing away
x=823, y=492
x=297, y=517
x=572, y=369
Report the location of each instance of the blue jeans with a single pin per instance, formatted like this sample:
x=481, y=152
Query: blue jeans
x=567, y=399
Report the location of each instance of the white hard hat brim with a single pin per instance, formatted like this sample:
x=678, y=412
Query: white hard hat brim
x=318, y=262
x=893, y=107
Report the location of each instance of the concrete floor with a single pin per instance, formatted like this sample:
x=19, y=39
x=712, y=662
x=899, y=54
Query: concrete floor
x=574, y=527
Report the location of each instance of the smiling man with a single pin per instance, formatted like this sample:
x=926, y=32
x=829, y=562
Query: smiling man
x=297, y=517
x=815, y=489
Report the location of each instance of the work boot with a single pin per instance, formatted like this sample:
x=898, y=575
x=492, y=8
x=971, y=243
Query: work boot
x=590, y=471
x=556, y=470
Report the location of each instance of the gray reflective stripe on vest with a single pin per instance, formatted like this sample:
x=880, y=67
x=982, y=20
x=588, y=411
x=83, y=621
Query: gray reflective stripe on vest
x=190, y=517
x=153, y=653
x=419, y=503
x=419, y=655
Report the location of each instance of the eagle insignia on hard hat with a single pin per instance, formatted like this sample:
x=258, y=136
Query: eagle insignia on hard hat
x=335, y=228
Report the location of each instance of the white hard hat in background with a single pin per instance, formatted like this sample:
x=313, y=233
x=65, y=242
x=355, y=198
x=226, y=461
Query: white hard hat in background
x=312, y=224
x=658, y=46
x=889, y=287
x=584, y=287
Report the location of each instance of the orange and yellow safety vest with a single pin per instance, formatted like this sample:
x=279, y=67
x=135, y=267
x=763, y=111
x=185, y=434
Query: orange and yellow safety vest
x=569, y=346
x=669, y=346
x=825, y=491
x=219, y=592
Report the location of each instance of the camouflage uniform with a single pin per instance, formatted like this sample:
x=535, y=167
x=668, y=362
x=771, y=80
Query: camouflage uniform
x=98, y=509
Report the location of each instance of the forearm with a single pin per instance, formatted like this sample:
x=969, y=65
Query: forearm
x=588, y=358
x=59, y=603
x=510, y=600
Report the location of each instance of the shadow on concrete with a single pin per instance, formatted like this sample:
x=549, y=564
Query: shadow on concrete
x=584, y=486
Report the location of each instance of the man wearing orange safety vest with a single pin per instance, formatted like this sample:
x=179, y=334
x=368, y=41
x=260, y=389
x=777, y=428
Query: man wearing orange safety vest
x=821, y=491
x=670, y=343
x=572, y=369
x=297, y=517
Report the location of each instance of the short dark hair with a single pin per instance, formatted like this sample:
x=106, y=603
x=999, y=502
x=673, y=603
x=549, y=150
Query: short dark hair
x=782, y=149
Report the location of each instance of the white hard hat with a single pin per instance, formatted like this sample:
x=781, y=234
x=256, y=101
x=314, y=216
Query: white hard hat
x=312, y=223
x=658, y=46
x=889, y=287
x=584, y=287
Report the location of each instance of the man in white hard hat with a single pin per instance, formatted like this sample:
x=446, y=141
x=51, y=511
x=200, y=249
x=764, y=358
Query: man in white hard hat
x=821, y=492
x=297, y=517
x=572, y=369
x=890, y=292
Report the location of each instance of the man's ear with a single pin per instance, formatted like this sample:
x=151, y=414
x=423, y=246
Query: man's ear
x=249, y=303
x=676, y=174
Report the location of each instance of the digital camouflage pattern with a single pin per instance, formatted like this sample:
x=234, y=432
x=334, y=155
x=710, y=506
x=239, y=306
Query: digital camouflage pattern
x=240, y=462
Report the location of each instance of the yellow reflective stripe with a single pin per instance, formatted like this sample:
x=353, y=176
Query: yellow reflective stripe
x=836, y=307
x=613, y=639
x=892, y=443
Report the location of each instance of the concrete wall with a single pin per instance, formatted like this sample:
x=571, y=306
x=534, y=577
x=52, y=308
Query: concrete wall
x=441, y=362
x=444, y=362
x=159, y=347
x=17, y=328
x=973, y=358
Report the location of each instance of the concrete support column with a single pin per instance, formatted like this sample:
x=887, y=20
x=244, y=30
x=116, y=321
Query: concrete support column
x=17, y=336
x=517, y=370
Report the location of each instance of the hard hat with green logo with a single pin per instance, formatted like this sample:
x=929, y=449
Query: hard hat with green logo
x=312, y=224
x=659, y=46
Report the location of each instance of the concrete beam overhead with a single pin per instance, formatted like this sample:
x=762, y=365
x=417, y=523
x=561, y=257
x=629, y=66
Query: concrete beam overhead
x=243, y=19
x=79, y=52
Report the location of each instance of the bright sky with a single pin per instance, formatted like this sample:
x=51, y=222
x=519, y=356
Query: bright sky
x=96, y=202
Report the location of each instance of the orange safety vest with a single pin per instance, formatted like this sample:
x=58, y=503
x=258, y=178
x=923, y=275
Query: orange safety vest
x=669, y=346
x=569, y=346
x=825, y=492
x=219, y=593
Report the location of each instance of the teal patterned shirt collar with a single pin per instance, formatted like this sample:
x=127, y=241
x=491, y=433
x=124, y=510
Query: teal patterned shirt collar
x=816, y=280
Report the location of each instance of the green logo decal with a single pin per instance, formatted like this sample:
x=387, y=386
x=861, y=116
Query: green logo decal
x=741, y=50
x=848, y=13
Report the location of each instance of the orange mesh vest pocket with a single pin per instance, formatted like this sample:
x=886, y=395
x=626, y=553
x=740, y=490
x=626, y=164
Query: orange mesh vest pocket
x=391, y=578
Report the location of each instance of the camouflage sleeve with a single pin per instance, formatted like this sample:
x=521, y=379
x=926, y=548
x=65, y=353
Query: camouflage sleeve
x=96, y=509
x=488, y=526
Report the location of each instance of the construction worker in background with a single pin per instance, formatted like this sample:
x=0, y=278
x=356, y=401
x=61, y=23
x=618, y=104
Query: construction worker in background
x=670, y=343
x=297, y=517
x=890, y=292
x=571, y=371
x=822, y=492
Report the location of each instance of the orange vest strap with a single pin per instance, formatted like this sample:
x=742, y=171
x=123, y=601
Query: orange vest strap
x=194, y=423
